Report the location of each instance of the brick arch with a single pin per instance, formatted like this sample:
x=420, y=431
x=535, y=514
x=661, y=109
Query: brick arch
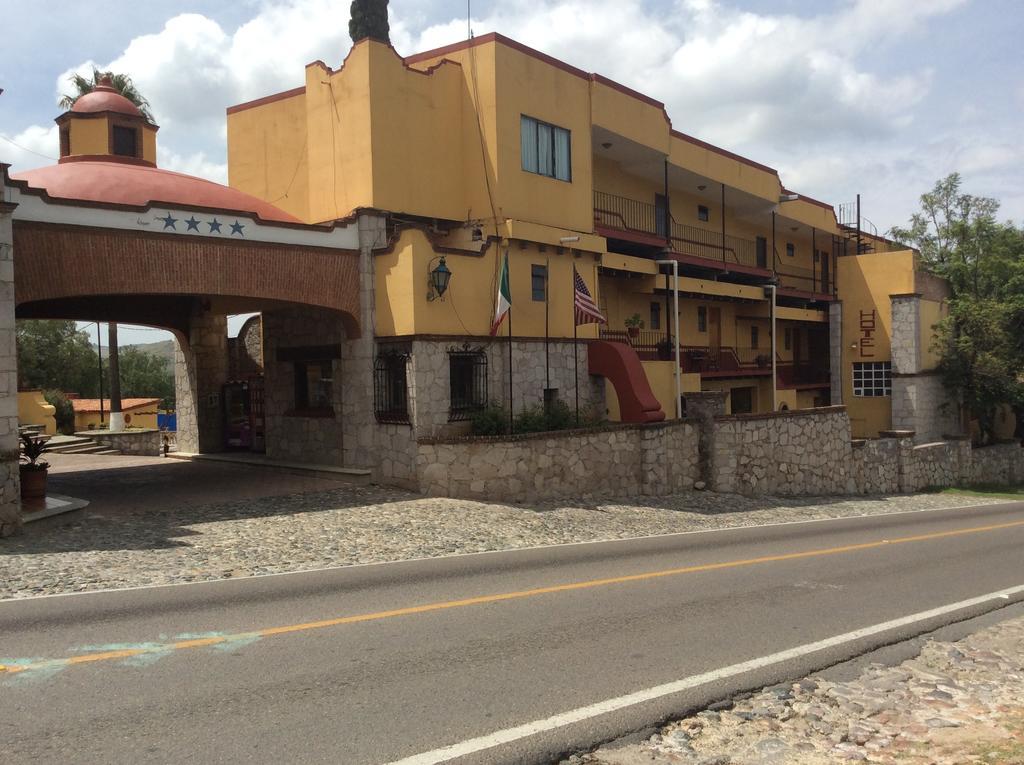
x=56, y=263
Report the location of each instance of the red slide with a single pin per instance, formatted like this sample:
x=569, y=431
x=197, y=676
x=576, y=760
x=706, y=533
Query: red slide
x=619, y=363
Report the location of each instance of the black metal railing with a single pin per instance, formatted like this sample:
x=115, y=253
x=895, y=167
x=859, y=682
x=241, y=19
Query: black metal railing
x=627, y=214
x=793, y=373
x=649, y=344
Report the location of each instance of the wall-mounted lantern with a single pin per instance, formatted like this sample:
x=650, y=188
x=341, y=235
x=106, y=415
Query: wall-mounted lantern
x=437, y=280
x=478, y=234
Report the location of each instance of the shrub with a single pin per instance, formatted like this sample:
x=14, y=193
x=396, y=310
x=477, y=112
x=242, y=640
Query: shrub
x=492, y=420
x=536, y=420
x=64, y=414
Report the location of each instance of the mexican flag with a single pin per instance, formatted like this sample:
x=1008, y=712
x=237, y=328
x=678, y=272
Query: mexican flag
x=504, y=303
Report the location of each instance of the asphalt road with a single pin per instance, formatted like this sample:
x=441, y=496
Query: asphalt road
x=378, y=663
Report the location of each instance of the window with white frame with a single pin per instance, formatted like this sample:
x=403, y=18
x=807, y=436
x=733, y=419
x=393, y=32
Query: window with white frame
x=546, y=149
x=872, y=379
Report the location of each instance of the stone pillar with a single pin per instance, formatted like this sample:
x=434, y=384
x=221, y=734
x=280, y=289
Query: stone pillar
x=200, y=371
x=835, y=352
x=10, y=483
x=906, y=334
x=703, y=407
x=357, y=355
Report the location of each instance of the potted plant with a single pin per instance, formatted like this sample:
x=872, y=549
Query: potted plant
x=32, y=469
x=633, y=325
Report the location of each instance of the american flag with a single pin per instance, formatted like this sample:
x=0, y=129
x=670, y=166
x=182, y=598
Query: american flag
x=587, y=311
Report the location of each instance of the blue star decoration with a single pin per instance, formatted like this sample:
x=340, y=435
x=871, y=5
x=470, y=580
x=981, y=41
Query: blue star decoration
x=214, y=226
x=169, y=222
x=193, y=224
x=236, y=228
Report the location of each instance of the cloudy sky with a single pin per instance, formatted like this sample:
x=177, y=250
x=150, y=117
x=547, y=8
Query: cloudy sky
x=881, y=97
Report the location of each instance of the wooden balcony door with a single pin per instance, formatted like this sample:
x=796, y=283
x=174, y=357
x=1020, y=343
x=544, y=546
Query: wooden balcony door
x=715, y=336
x=761, y=252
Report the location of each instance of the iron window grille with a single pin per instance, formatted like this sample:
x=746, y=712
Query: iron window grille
x=467, y=369
x=390, y=386
x=872, y=379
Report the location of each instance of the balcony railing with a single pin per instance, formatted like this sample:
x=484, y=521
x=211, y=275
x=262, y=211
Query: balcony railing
x=627, y=214
x=637, y=217
x=655, y=345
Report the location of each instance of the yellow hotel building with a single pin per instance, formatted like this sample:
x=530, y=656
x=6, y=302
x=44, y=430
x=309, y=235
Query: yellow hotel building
x=488, y=147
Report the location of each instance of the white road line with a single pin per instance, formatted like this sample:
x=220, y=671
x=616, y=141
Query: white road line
x=325, y=569
x=473, y=745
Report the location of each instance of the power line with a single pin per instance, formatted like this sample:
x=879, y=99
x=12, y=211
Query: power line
x=25, y=148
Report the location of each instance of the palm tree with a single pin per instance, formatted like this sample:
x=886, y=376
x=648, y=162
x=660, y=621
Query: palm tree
x=122, y=83
x=369, y=18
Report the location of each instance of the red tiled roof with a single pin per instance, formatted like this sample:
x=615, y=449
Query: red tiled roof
x=93, y=404
x=113, y=182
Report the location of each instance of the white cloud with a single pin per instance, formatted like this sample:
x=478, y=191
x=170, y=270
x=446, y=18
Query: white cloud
x=803, y=93
x=35, y=146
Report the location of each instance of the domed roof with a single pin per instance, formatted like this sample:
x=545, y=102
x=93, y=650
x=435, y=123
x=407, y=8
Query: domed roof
x=122, y=183
x=104, y=98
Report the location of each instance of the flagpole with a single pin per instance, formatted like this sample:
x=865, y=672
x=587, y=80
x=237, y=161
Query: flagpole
x=576, y=349
x=511, y=416
x=547, y=334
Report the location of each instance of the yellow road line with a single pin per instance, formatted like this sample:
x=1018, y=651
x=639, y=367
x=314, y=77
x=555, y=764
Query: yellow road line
x=497, y=598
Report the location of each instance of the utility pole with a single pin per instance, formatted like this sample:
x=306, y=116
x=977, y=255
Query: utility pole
x=116, y=415
x=99, y=351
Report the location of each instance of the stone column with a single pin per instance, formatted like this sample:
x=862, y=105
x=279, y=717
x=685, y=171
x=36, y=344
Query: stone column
x=357, y=355
x=200, y=371
x=10, y=483
x=703, y=407
x=835, y=352
x=906, y=360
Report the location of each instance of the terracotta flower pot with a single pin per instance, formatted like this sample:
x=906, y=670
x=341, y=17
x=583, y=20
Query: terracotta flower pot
x=33, y=483
x=633, y=331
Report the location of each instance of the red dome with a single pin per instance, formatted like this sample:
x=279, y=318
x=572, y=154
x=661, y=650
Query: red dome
x=104, y=98
x=121, y=183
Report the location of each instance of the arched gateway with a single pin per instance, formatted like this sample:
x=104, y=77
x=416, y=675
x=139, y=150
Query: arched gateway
x=105, y=235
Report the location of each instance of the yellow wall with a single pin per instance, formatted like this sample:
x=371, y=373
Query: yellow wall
x=866, y=282
x=267, y=156
x=468, y=306
x=33, y=410
x=661, y=377
x=142, y=417
x=89, y=135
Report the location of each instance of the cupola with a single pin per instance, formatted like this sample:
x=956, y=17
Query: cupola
x=104, y=125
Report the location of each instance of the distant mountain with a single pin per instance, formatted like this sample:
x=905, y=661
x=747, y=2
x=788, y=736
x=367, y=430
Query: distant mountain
x=163, y=349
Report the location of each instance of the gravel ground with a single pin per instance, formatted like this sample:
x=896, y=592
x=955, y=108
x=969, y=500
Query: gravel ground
x=187, y=541
x=956, y=703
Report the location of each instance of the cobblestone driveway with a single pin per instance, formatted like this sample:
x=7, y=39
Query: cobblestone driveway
x=156, y=521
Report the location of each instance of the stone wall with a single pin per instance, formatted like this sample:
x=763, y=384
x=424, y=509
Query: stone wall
x=875, y=465
x=292, y=435
x=144, y=443
x=429, y=379
x=1001, y=464
x=935, y=465
x=920, y=403
x=651, y=460
x=200, y=371
x=10, y=481
x=805, y=451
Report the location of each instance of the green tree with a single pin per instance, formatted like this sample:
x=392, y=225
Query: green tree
x=56, y=355
x=122, y=83
x=145, y=375
x=369, y=18
x=981, y=341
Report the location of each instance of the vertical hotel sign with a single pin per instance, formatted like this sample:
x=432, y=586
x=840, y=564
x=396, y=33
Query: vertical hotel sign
x=868, y=326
